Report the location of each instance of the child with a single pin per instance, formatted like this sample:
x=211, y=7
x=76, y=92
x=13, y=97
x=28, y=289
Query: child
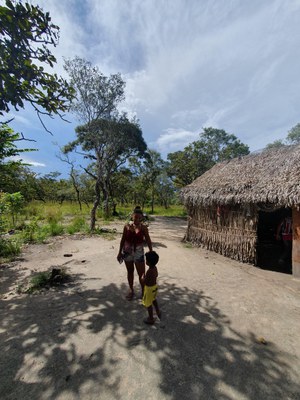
x=150, y=288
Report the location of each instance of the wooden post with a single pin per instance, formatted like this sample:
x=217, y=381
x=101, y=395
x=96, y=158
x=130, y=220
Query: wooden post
x=296, y=243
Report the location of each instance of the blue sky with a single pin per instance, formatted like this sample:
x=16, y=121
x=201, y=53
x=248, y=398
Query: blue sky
x=188, y=64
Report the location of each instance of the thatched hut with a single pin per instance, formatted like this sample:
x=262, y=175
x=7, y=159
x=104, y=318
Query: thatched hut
x=236, y=206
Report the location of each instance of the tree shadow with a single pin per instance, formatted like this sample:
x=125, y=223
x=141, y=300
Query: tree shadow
x=93, y=344
x=9, y=275
x=158, y=244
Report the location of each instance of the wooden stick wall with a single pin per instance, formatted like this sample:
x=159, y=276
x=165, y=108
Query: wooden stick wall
x=230, y=231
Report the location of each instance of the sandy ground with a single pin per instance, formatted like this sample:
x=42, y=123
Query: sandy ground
x=229, y=330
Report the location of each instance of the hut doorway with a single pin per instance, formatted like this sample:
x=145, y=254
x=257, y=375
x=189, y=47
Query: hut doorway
x=273, y=254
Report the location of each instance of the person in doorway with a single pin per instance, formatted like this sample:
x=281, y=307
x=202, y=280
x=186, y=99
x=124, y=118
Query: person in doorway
x=150, y=288
x=131, y=250
x=284, y=233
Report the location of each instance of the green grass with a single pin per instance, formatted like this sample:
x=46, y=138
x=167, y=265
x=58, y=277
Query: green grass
x=38, y=282
x=59, y=212
x=172, y=211
x=9, y=248
x=77, y=224
x=48, y=209
x=43, y=280
x=41, y=220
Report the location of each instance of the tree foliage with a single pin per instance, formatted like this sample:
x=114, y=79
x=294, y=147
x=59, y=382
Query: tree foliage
x=107, y=137
x=108, y=144
x=214, y=145
x=293, y=136
x=26, y=31
x=97, y=95
x=9, y=167
x=275, y=145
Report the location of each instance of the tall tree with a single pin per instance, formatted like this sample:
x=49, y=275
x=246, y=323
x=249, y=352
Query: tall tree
x=26, y=32
x=107, y=138
x=182, y=166
x=97, y=95
x=107, y=144
x=152, y=168
x=214, y=145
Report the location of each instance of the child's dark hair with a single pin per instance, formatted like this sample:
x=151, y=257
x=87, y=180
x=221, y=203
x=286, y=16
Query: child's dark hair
x=152, y=258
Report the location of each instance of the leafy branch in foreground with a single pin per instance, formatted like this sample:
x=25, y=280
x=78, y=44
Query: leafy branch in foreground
x=26, y=31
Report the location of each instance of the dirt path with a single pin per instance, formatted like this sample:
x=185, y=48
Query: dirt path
x=229, y=330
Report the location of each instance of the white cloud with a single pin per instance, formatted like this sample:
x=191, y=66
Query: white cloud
x=27, y=160
x=233, y=65
x=175, y=139
x=20, y=119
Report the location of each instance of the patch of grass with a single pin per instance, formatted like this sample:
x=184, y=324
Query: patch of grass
x=188, y=245
x=45, y=280
x=38, y=282
x=78, y=224
x=9, y=248
x=172, y=211
x=53, y=229
x=105, y=233
x=33, y=232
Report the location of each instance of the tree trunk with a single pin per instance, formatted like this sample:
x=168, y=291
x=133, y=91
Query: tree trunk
x=95, y=206
x=152, y=202
x=76, y=188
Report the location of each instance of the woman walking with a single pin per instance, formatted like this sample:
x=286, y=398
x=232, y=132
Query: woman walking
x=135, y=233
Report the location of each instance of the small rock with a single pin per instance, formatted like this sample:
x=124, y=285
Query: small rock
x=261, y=340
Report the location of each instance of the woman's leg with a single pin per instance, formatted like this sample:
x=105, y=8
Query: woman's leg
x=140, y=269
x=130, y=276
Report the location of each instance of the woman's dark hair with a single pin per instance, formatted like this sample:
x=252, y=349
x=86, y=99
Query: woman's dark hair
x=138, y=210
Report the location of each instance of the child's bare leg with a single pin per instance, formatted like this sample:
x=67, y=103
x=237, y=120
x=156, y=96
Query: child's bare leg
x=158, y=313
x=130, y=277
x=150, y=319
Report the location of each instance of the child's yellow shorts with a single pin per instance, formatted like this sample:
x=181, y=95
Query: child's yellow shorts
x=149, y=295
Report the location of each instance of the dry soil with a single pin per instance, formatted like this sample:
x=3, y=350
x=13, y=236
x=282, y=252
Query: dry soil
x=229, y=330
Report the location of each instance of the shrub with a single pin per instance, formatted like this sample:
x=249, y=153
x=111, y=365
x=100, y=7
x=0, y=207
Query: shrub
x=78, y=224
x=32, y=232
x=53, y=229
x=9, y=248
x=46, y=279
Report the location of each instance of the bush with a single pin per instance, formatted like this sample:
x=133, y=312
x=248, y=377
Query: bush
x=45, y=279
x=53, y=216
x=77, y=225
x=39, y=281
x=9, y=248
x=32, y=232
x=53, y=229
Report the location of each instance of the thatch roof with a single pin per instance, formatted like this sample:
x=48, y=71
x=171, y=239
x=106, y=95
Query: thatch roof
x=272, y=176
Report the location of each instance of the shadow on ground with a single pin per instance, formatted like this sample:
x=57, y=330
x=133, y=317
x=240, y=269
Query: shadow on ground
x=193, y=352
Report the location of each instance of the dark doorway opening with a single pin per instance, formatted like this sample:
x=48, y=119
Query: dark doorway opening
x=272, y=254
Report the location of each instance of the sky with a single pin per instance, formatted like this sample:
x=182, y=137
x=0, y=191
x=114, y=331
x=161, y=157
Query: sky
x=187, y=64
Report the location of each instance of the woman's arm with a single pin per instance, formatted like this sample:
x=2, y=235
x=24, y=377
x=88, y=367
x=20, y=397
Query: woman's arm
x=147, y=237
x=122, y=243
